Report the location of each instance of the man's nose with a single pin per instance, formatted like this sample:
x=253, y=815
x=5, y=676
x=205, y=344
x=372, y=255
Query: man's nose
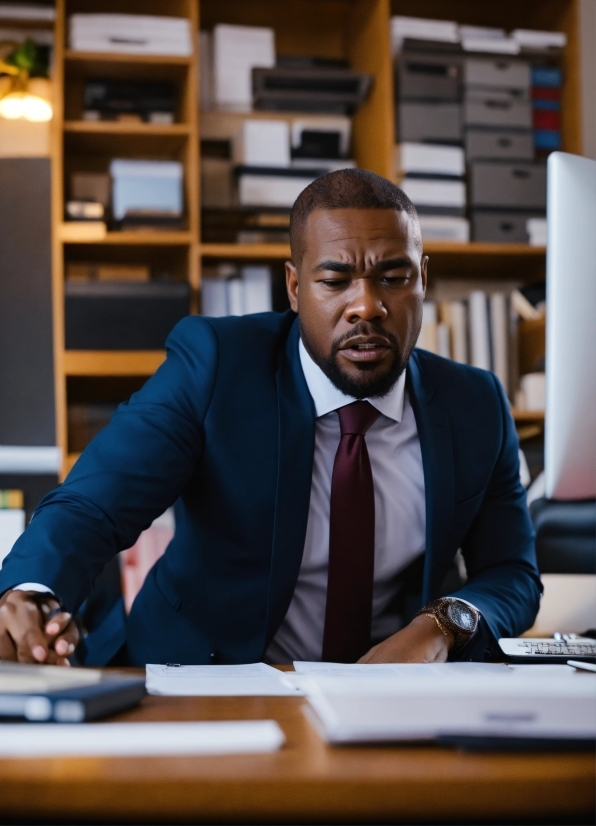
x=365, y=303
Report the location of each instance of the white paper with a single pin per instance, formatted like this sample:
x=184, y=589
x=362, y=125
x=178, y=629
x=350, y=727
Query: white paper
x=413, y=707
x=383, y=669
x=139, y=739
x=253, y=680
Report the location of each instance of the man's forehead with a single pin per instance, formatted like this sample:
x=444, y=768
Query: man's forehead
x=339, y=227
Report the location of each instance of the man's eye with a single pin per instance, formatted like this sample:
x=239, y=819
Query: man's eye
x=335, y=283
x=394, y=279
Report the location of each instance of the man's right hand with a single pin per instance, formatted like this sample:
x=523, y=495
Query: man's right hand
x=27, y=635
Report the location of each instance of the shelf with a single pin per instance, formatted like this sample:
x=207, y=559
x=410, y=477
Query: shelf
x=84, y=127
x=483, y=249
x=527, y=415
x=156, y=238
x=75, y=56
x=112, y=362
x=271, y=252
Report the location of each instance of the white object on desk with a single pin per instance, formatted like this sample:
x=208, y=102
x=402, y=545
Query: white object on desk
x=139, y=739
x=253, y=680
x=415, y=708
x=383, y=669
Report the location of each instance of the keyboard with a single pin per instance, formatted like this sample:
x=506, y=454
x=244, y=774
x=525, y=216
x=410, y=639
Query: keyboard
x=548, y=650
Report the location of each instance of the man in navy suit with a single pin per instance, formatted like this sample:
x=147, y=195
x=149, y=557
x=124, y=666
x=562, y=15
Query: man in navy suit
x=324, y=475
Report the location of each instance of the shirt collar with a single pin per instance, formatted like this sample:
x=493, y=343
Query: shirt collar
x=327, y=397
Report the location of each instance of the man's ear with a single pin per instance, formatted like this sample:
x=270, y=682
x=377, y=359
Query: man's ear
x=292, y=285
x=424, y=271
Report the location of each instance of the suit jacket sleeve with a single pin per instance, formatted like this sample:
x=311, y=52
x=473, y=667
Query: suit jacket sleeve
x=503, y=578
x=128, y=475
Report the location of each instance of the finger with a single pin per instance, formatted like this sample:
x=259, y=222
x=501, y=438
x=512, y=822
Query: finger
x=31, y=645
x=7, y=648
x=58, y=623
x=66, y=643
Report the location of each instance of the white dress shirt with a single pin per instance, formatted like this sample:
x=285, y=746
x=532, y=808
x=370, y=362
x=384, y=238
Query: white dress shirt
x=400, y=513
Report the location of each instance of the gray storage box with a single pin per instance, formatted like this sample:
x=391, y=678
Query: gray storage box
x=501, y=227
x=499, y=108
x=438, y=122
x=428, y=77
x=497, y=72
x=501, y=184
x=504, y=145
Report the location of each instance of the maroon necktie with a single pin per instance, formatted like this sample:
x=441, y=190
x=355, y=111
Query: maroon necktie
x=351, y=540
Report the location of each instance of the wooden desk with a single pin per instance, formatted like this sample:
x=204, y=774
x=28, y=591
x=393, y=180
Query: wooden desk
x=306, y=781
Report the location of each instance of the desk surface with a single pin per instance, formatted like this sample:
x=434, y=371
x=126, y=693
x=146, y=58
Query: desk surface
x=305, y=781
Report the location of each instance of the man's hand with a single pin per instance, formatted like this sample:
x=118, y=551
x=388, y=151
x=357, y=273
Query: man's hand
x=27, y=635
x=422, y=641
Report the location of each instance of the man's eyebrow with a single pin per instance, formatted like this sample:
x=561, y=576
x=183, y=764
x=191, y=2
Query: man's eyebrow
x=392, y=264
x=334, y=266
x=380, y=266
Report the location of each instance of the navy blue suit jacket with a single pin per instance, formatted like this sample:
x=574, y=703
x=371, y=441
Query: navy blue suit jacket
x=225, y=430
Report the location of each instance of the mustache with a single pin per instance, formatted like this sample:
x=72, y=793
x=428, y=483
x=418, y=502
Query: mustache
x=365, y=328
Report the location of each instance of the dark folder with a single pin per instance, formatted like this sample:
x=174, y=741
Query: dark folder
x=37, y=700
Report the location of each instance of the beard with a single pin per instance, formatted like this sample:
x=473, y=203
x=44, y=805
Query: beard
x=369, y=382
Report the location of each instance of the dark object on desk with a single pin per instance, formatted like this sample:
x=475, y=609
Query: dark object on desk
x=565, y=536
x=309, y=88
x=77, y=704
x=123, y=316
x=516, y=744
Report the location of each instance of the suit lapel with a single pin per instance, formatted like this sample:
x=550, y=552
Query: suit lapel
x=296, y=435
x=436, y=446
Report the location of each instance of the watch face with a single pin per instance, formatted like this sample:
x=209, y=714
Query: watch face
x=462, y=615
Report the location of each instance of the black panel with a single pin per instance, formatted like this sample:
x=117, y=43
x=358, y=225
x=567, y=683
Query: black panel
x=565, y=536
x=26, y=360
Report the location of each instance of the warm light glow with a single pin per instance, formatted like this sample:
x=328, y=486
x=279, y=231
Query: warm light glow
x=36, y=109
x=11, y=106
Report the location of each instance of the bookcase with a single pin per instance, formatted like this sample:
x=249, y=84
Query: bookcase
x=354, y=29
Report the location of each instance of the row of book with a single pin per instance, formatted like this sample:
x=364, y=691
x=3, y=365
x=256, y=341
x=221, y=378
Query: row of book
x=481, y=330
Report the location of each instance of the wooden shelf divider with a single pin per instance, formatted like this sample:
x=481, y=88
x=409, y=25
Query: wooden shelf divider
x=112, y=362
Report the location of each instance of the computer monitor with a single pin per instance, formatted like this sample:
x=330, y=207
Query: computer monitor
x=570, y=426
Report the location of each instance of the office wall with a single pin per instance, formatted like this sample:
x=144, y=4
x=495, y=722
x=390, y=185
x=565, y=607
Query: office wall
x=587, y=13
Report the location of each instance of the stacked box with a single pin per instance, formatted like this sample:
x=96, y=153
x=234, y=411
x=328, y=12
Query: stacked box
x=506, y=187
x=429, y=154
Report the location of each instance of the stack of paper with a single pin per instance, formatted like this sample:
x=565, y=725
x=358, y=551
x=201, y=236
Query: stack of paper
x=130, y=34
x=421, y=28
x=531, y=39
x=415, y=706
x=253, y=680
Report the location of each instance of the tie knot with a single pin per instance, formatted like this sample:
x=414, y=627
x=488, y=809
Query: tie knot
x=357, y=418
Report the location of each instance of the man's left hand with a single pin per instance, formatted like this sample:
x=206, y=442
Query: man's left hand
x=422, y=641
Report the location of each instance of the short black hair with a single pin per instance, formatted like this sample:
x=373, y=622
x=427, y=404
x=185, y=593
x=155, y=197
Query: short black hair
x=345, y=189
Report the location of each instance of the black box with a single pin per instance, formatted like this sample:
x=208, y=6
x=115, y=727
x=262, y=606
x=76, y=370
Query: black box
x=511, y=185
x=429, y=77
x=122, y=316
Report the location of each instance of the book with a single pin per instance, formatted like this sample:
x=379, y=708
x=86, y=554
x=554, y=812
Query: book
x=499, y=335
x=428, y=338
x=10, y=499
x=453, y=314
x=480, y=355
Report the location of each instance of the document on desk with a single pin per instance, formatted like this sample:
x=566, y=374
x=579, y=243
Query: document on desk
x=139, y=739
x=420, y=669
x=253, y=680
x=416, y=706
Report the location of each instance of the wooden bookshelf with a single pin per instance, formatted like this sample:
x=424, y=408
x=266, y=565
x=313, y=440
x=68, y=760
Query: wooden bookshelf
x=354, y=29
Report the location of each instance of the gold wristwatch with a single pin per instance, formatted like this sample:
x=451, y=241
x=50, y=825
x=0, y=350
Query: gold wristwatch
x=453, y=615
